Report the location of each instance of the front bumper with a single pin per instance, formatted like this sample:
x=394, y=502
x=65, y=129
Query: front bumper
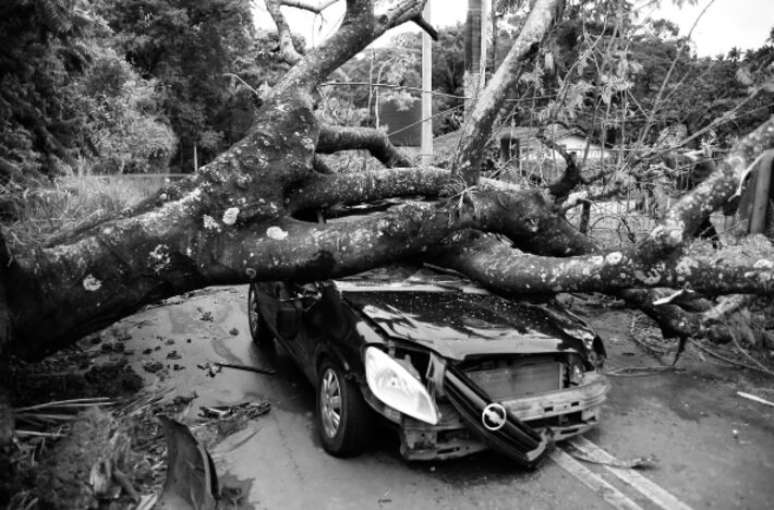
x=532, y=422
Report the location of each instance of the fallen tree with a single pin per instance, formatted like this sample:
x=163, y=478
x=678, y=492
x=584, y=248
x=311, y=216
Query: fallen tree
x=242, y=216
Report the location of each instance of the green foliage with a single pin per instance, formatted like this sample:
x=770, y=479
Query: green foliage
x=624, y=81
x=124, y=128
x=399, y=66
x=193, y=49
x=42, y=50
x=67, y=100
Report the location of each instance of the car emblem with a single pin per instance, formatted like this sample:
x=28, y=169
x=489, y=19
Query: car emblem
x=494, y=416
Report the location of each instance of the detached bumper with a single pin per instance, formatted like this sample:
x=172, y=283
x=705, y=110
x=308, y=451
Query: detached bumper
x=515, y=439
x=531, y=424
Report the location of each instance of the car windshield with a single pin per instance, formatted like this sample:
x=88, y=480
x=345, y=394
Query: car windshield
x=409, y=278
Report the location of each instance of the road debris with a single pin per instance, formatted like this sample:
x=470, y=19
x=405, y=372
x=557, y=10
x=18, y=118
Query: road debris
x=152, y=366
x=646, y=462
x=205, y=316
x=754, y=398
x=247, y=368
x=191, y=481
x=247, y=409
x=385, y=498
x=642, y=371
x=212, y=369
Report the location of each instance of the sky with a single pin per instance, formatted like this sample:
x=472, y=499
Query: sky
x=726, y=24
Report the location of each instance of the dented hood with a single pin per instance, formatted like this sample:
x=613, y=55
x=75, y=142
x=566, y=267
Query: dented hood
x=457, y=324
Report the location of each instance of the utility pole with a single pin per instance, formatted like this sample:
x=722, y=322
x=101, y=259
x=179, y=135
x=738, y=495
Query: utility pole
x=427, y=95
x=476, y=28
x=486, y=12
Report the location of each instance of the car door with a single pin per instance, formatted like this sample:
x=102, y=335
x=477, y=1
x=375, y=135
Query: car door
x=306, y=333
x=280, y=309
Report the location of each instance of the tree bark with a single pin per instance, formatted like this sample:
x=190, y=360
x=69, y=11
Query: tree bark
x=337, y=138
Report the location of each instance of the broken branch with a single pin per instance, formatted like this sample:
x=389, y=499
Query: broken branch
x=340, y=138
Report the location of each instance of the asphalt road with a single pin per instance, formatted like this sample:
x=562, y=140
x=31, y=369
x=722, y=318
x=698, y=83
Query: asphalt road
x=713, y=449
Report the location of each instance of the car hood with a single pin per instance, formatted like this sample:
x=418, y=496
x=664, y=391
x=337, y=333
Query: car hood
x=457, y=324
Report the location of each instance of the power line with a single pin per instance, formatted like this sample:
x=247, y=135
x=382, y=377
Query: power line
x=419, y=89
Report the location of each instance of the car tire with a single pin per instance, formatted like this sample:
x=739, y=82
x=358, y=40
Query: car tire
x=344, y=424
x=259, y=330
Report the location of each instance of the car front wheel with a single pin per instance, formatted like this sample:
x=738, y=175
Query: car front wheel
x=343, y=417
x=259, y=330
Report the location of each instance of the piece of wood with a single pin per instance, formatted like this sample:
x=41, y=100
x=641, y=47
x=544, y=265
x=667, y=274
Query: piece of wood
x=754, y=398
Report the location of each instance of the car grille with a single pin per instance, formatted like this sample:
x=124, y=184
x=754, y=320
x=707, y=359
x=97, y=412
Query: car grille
x=517, y=378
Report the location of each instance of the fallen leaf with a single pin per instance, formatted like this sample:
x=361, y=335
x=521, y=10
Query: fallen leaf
x=191, y=481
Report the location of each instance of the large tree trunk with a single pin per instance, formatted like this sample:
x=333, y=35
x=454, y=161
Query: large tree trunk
x=240, y=218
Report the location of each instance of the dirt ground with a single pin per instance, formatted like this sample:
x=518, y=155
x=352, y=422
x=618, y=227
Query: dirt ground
x=711, y=448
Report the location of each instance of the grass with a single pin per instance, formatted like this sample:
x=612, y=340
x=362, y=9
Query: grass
x=45, y=209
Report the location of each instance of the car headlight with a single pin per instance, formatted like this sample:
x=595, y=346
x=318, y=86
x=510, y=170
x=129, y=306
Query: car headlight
x=396, y=387
x=575, y=371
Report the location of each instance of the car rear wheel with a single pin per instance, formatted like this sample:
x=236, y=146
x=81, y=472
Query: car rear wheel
x=343, y=417
x=259, y=330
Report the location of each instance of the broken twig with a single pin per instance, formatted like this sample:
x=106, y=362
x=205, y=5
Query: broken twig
x=247, y=368
x=760, y=366
x=728, y=360
x=67, y=404
x=642, y=371
x=754, y=398
x=647, y=462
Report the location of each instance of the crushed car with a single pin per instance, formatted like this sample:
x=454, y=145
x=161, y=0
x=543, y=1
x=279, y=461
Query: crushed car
x=456, y=368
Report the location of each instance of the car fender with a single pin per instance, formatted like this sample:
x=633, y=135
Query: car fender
x=328, y=350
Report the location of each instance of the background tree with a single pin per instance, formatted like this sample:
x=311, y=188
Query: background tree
x=69, y=103
x=191, y=48
x=43, y=53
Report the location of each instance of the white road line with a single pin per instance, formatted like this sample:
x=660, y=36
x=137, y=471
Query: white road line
x=593, y=481
x=646, y=487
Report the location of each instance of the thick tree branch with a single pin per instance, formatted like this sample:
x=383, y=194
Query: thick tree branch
x=571, y=177
x=478, y=127
x=287, y=49
x=526, y=218
x=321, y=166
x=654, y=262
x=569, y=180
x=358, y=187
x=361, y=26
x=426, y=26
x=489, y=260
x=110, y=270
x=685, y=217
x=673, y=320
x=338, y=138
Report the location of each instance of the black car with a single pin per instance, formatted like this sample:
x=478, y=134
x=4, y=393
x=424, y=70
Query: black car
x=455, y=367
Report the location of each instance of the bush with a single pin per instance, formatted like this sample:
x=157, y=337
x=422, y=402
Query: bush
x=125, y=128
